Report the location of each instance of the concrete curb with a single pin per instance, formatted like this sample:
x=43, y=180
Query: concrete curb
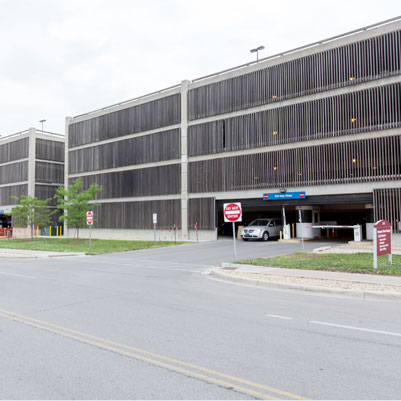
x=11, y=255
x=217, y=273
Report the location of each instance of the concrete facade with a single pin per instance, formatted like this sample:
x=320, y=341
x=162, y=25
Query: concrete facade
x=97, y=130
x=36, y=159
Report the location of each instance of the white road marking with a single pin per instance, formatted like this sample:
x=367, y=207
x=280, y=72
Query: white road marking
x=17, y=275
x=341, y=326
x=280, y=317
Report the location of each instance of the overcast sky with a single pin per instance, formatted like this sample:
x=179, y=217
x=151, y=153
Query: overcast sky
x=64, y=58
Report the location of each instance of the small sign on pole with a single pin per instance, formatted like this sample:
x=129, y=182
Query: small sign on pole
x=154, y=227
x=382, y=231
x=233, y=213
x=89, y=218
x=89, y=222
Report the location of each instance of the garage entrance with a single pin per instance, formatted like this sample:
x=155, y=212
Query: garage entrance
x=333, y=210
x=5, y=221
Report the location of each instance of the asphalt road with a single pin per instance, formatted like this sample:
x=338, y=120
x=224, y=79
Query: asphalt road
x=151, y=325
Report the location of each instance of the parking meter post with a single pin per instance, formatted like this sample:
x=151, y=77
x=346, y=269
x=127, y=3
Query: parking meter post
x=302, y=230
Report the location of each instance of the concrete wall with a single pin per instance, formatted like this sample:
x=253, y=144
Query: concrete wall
x=144, y=235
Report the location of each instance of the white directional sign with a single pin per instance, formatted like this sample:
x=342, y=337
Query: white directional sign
x=154, y=218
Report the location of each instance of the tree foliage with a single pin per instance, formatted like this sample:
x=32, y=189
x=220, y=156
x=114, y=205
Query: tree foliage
x=31, y=212
x=75, y=203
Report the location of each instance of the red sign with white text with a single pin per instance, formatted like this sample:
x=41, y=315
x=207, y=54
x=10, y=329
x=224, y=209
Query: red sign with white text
x=89, y=218
x=232, y=212
x=383, y=237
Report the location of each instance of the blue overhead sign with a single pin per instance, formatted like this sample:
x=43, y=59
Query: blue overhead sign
x=284, y=195
x=1, y=211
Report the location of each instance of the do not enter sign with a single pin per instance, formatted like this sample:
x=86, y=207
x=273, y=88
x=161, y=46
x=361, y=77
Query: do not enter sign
x=89, y=218
x=232, y=212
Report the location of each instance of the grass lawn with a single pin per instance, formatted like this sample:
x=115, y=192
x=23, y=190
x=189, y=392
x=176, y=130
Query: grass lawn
x=80, y=245
x=355, y=263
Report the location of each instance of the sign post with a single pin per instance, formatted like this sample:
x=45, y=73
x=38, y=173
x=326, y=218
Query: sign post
x=154, y=227
x=302, y=230
x=89, y=222
x=233, y=213
x=382, y=231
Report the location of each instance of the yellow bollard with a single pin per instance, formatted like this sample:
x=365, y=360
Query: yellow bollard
x=37, y=231
x=57, y=231
x=50, y=231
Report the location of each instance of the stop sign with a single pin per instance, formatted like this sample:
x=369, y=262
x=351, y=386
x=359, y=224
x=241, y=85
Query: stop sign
x=232, y=212
x=89, y=218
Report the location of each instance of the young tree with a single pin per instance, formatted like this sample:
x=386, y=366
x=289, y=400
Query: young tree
x=75, y=203
x=31, y=212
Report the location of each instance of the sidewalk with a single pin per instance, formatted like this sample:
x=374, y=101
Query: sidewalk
x=365, y=286
x=22, y=253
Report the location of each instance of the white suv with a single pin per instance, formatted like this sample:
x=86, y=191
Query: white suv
x=262, y=229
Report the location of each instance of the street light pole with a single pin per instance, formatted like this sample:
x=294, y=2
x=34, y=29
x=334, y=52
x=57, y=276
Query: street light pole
x=257, y=50
x=42, y=121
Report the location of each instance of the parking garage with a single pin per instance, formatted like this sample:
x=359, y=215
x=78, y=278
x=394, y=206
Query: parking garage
x=343, y=210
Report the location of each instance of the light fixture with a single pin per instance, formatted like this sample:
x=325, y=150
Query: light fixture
x=374, y=167
x=275, y=168
x=299, y=173
x=275, y=132
x=42, y=121
x=352, y=78
x=353, y=120
x=353, y=160
x=257, y=50
x=274, y=97
x=255, y=178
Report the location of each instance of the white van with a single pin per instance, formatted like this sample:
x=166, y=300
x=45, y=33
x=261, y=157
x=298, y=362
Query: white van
x=262, y=229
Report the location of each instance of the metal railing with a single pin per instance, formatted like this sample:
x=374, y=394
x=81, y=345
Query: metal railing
x=129, y=101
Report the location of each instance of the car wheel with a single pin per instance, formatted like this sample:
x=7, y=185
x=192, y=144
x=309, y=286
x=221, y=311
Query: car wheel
x=265, y=236
x=245, y=239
